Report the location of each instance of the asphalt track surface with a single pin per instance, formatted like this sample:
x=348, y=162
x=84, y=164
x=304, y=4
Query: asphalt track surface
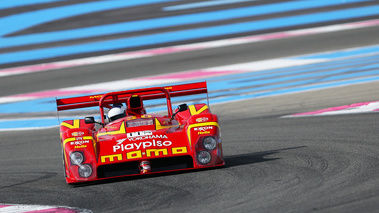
x=273, y=164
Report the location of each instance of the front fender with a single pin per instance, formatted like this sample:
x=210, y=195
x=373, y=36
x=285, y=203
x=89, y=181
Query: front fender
x=202, y=126
x=81, y=140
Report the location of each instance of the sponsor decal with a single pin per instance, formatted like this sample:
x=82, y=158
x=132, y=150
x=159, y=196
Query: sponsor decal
x=81, y=142
x=140, y=145
x=139, y=134
x=79, y=147
x=156, y=152
x=78, y=141
x=202, y=119
x=179, y=150
x=131, y=118
x=96, y=96
x=147, y=137
x=75, y=134
x=203, y=133
x=203, y=128
x=111, y=158
x=140, y=154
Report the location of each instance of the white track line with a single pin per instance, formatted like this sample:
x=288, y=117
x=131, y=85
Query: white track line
x=184, y=48
x=14, y=208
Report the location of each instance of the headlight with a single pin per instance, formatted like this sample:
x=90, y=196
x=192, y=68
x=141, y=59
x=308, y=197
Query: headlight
x=76, y=158
x=85, y=170
x=209, y=143
x=204, y=157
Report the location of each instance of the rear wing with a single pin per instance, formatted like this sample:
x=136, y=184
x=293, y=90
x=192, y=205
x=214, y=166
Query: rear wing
x=122, y=96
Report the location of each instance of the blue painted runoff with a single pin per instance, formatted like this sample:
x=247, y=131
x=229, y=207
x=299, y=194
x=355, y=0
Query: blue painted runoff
x=6, y=4
x=139, y=25
x=259, y=84
x=187, y=34
x=21, y=21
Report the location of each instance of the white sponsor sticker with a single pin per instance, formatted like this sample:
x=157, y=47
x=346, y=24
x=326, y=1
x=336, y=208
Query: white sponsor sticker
x=139, y=134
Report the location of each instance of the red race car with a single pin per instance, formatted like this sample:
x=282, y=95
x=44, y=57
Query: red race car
x=127, y=141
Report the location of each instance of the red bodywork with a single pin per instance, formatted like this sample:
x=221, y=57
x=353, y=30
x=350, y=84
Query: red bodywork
x=139, y=143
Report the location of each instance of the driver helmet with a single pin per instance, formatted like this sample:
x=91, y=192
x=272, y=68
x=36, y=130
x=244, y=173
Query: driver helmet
x=116, y=112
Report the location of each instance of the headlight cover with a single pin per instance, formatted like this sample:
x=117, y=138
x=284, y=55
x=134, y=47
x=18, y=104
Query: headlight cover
x=204, y=157
x=76, y=158
x=85, y=170
x=209, y=143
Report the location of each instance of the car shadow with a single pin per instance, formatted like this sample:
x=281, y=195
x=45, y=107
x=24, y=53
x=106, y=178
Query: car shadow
x=256, y=157
x=230, y=161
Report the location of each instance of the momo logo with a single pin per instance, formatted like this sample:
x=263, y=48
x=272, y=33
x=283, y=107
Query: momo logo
x=140, y=145
x=141, y=154
x=111, y=158
x=203, y=128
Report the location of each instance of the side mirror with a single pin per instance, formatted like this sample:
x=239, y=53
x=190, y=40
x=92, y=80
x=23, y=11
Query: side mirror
x=181, y=108
x=89, y=120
